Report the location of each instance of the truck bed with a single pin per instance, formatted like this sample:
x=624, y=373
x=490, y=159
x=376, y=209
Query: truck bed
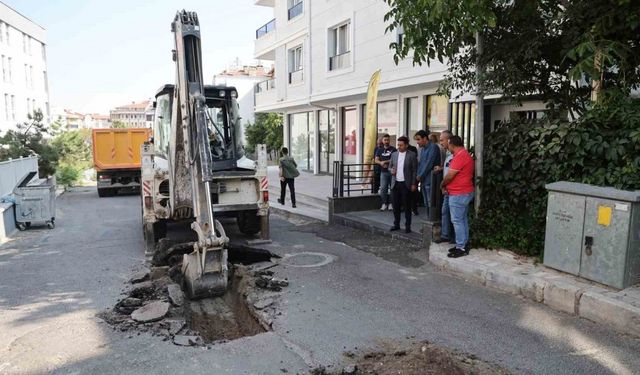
x=118, y=148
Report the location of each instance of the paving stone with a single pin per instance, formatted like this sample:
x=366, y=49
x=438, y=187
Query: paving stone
x=158, y=272
x=151, y=312
x=175, y=326
x=263, y=304
x=184, y=340
x=175, y=294
x=140, y=276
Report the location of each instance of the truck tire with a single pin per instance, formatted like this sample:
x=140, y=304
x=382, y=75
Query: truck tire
x=248, y=222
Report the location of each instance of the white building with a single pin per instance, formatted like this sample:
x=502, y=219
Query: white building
x=324, y=54
x=247, y=80
x=134, y=115
x=24, y=84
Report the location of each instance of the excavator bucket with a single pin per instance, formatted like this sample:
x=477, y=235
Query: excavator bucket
x=205, y=274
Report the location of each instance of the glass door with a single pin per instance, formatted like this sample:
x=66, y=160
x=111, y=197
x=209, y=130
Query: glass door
x=327, y=138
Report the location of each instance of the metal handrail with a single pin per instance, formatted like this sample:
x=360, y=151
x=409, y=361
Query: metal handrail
x=358, y=178
x=295, y=10
x=266, y=29
x=267, y=85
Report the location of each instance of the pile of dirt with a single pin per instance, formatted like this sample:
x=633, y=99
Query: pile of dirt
x=154, y=303
x=418, y=359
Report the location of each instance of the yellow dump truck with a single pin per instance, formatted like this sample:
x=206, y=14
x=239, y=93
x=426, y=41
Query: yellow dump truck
x=116, y=158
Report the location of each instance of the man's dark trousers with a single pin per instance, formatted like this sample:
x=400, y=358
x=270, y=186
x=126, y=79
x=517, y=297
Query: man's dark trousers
x=401, y=196
x=292, y=189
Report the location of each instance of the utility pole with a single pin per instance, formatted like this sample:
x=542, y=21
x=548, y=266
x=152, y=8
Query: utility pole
x=479, y=126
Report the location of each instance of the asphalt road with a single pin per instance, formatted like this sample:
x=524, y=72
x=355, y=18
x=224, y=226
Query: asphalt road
x=363, y=291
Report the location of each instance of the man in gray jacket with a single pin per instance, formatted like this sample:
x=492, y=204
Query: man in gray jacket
x=403, y=166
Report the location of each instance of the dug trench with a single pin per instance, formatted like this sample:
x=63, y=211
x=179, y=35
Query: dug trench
x=154, y=302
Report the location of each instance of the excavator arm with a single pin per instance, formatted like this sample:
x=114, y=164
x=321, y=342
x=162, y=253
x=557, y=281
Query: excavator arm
x=205, y=269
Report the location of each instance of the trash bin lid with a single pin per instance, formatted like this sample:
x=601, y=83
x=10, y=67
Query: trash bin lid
x=595, y=191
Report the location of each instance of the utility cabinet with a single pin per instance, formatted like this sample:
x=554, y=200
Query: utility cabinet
x=593, y=232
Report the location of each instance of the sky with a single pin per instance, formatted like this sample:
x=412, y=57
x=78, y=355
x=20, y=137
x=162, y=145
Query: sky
x=101, y=54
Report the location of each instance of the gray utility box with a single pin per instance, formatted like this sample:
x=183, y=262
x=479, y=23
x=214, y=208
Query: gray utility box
x=35, y=201
x=593, y=232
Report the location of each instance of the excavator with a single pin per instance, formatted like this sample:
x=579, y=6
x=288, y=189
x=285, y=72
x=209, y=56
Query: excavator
x=194, y=167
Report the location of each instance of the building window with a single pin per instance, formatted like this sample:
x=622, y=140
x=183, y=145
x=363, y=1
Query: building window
x=9, y=64
x=24, y=42
x=2, y=31
x=351, y=138
x=6, y=107
x=26, y=75
x=388, y=119
x=46, y=81
x=339, y=47
x=302, y=139
x=414, y=123
x=295, y=65
x=7, y=34
x=437, y=113
x=31, y=76
x=4, y=68
x=295, y=8
x=400, y=38
x=463, y=121
x=13, y=107
x=44, y=52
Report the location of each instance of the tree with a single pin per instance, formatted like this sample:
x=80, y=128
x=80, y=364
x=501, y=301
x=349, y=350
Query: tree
x=530, y=47
x=267, y=129
x=29, y=139
x=118, y=125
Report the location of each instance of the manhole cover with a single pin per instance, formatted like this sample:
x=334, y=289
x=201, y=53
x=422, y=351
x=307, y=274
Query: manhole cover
x=307, y=259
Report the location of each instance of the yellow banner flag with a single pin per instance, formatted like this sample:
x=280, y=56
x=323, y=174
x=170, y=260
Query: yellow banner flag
x=371, y=120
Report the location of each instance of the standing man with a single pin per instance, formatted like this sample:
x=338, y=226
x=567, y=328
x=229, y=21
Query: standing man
x=382, y=158
x=403, y=170
x=415, y=195
x=445, y=231
x=458, y=183
x=288, y=173
x=429, y=158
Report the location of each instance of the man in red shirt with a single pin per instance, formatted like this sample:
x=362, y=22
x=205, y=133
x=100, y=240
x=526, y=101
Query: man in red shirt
x=458, y=183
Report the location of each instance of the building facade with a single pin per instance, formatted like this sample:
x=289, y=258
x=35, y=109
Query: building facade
x=324, y=53
x=245, y=79
x=134, y=115
x=24, y=84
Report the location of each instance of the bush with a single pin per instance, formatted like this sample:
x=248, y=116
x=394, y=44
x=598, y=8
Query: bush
x=601, y=148
x=67, y=175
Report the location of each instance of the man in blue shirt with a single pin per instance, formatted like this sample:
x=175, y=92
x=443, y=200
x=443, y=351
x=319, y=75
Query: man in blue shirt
x=429, y=158
x=382, y=158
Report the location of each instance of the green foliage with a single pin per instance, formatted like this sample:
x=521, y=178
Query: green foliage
x=74, y=148
x=530, y=47
x=118, y=125
x=268, y=130
x=29, y=139
x=67, y=174
x=601, y=148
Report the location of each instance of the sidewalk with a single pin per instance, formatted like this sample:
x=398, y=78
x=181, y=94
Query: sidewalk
x=312, y=192
x=510, y=273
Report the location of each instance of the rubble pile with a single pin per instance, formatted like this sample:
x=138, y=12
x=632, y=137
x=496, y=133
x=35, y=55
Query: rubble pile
x=154, y=303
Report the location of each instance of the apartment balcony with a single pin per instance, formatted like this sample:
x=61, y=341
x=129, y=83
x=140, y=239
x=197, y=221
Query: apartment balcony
x=266, y=41
x=265, y=93
x=266, y=3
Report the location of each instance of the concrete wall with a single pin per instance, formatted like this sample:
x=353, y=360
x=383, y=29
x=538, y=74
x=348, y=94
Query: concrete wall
x=13, y=170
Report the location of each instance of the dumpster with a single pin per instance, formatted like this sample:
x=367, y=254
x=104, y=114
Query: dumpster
x=35, y=201
x=593, y=232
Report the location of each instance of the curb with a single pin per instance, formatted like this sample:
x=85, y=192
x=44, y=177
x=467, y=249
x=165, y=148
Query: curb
x=371, y=227
x=562, y=292
x=294, y=215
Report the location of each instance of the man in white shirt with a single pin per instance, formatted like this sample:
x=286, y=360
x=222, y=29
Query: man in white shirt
x=403, y=166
